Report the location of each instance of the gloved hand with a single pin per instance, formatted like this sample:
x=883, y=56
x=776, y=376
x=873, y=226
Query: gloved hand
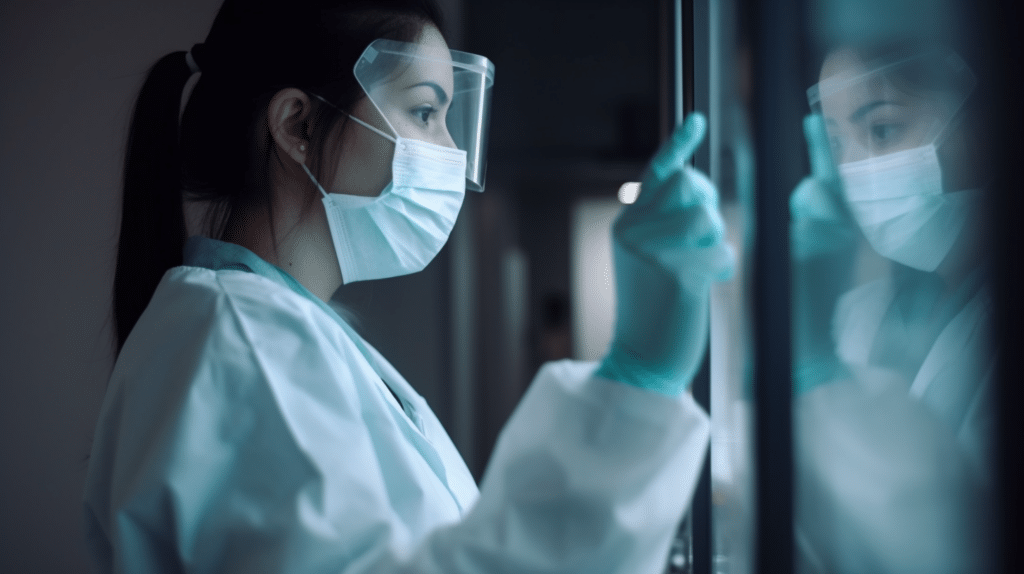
x=821, y=223
x=823, y=241
x=668, y=247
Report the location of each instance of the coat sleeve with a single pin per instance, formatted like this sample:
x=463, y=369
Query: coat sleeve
x=221, y=450
x=589, y=475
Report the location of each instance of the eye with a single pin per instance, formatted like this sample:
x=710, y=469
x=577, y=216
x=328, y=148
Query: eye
x=886, y=133
x=424, y=113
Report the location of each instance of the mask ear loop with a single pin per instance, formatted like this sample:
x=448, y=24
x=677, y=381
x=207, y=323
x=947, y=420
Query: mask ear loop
x=358, y=121
x=368, y=126
x=315, y=182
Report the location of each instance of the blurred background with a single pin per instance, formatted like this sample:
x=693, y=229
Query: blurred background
x=585, y=91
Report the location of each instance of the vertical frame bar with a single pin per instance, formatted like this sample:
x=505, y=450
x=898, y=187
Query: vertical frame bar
x=1003, y=53
x=778, y=31
x=679, y=69
x=694, y=96
x=692, y=552
x=463, y=322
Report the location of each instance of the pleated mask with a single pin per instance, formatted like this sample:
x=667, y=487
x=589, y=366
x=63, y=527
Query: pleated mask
x=899, y=203
x=400, y=231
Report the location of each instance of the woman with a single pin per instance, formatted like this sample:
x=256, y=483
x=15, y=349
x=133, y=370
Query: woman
x=895, y=458
x=248, y=428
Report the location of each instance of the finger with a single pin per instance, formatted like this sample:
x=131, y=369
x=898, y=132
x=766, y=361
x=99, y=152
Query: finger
x=672, y=156
x=818, y=146
x=694, y=222
x=702, y=188
x=803, y=200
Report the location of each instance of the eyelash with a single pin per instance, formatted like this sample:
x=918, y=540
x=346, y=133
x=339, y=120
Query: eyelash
x=428, y=110
x=891, y=129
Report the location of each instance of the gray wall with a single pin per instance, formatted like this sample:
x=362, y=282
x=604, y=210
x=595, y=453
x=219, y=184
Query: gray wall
x=70, y=71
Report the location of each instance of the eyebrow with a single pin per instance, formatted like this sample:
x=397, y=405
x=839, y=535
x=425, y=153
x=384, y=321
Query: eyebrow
x=862, y=111
x=442, y=96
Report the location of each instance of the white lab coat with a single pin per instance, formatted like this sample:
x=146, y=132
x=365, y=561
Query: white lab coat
x=246, y=429
x=954, y=380
x=894, y=475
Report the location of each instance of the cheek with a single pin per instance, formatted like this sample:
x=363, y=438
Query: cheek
x=365, y=164
x=437, y=133
x=375, y=153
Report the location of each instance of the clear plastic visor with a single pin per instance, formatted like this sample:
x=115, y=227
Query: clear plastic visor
x=430, y=93
x=873, y=111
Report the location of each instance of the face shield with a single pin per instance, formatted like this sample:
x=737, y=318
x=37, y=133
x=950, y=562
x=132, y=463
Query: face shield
x=872, y=111
x=433, y=94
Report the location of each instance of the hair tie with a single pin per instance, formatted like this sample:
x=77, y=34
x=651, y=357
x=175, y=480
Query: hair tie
x=191, y=61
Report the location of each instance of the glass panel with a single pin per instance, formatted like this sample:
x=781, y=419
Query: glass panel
x=893, y=361
x=732, y=170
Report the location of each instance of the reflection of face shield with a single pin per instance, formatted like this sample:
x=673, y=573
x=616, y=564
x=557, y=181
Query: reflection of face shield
x=872, y=111
x=432, y=94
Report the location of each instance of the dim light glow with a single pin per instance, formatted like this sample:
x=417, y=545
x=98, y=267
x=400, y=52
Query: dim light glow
x=629, y=192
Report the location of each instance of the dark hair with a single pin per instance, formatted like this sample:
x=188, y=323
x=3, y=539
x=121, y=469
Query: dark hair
x=223, y=151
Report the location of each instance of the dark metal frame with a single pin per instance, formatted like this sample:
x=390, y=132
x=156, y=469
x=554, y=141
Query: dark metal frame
x=688, y=45
x=1003, y=52
x=778, y=42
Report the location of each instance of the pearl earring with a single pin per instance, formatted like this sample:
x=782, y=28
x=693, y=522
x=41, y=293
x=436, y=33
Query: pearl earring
x=302, y=147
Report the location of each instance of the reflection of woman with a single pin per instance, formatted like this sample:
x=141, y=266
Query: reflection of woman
x=248, y=428
x=895, y=460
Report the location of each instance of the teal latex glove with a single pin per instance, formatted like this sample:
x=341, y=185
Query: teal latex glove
x=820, y=221
x=823, y=239
x=668, y=248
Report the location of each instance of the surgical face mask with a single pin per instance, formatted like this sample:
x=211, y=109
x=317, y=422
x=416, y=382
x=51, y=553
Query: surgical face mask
x=400, y=231
x=899, y=204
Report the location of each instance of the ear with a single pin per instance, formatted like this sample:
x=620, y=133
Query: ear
x=286, y=117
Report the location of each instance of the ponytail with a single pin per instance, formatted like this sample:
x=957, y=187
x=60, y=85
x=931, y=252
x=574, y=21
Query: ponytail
x=152, y=221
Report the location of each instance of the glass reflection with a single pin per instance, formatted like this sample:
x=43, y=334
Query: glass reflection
x=893, y=363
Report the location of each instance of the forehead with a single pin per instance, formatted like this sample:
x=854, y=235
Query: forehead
x=845, y=77
x=846, y=81
x=841, y=65
x=430, y=38
x=429, y=61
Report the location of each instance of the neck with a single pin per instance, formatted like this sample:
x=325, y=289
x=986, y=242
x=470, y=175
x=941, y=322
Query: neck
x=296, y=240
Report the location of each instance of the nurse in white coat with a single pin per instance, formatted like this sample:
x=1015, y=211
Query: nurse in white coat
x=894, y=452
x=248, y=428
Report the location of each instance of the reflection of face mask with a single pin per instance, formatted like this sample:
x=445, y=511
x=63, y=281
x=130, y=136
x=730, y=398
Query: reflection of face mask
x=404, y=228
x=898, y=201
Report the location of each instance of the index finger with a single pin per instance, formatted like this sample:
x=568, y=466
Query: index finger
x=818, y=146
x=673, y=154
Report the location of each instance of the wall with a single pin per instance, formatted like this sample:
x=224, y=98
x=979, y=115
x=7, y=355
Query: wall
x=70, y=73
